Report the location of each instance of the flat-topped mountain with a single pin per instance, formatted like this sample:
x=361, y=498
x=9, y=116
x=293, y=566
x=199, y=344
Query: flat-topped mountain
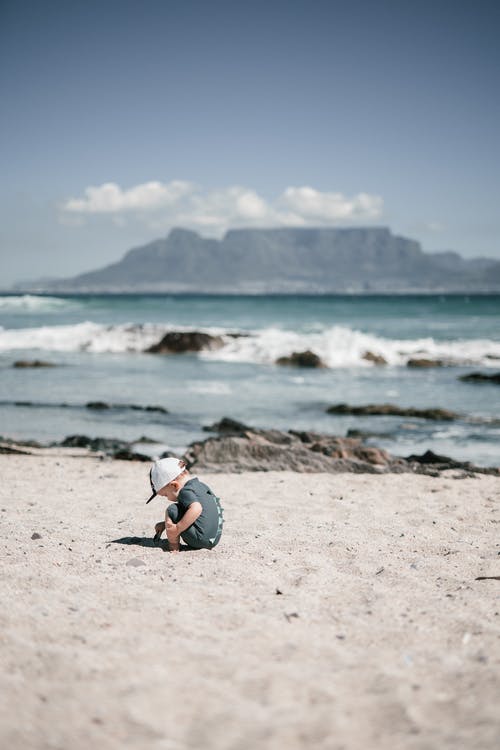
x=286, y=260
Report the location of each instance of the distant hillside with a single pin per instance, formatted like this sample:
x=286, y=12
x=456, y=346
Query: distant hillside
x=286, y=260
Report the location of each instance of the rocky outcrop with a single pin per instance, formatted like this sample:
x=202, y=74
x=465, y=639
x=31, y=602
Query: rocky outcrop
x=444, y=463
x=481, y=377
x=179, y=342
x=301, y=359
x=23, y=363
x=424, y=363
x=377, y=359
x=112, y=447
x=310, y=452
x=227, y=426
x=392, y=410
x=103, y=405
x=275, y=450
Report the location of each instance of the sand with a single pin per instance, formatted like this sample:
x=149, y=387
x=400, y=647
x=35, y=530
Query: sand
x=338, y=611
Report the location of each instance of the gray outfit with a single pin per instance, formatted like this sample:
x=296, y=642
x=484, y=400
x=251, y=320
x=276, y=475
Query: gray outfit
x=206, y=531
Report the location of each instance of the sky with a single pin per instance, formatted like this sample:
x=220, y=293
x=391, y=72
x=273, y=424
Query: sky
x=120, y=120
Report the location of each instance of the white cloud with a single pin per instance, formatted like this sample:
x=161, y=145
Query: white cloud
x=313, y=205
x=110, y=198
x=180, y=203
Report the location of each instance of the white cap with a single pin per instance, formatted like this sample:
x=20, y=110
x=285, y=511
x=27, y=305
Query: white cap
x=163, y=471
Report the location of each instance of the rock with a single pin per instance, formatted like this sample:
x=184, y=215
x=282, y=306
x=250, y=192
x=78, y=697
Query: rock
x=274, y=450
x=366, y=434
x=444, y=463
x=392, y=410
x=135, y=562
x=301, y=359
x=481, y=377
x=106, y=445
x=159, y=409
x=8, y=449
x=125, y=454
x=429, y=457
x=178, y=342
x=135, y=407
x=33, y=363
x=416, y=362
x=377, y=359
x=227, y=426
x=36, y=535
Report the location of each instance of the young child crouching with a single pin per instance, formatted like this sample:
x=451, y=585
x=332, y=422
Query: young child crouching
x=195, y=513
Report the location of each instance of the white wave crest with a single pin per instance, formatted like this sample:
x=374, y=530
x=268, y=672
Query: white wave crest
x=337, y=346
x=31, y=302
x=87, y=336
x=340, y=346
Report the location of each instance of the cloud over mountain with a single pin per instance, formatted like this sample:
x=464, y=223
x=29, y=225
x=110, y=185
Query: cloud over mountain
x=164, y=205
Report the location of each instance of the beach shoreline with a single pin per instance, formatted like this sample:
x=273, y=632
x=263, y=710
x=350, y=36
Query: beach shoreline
x=338, y=611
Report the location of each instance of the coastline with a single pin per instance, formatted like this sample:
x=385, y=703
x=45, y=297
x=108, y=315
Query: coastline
x=338, y=611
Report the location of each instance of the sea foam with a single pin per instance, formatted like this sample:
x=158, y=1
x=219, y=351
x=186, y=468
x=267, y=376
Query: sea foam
x=337, y=346
x=33, y=303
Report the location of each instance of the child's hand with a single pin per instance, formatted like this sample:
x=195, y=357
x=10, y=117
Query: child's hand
x=160, y=527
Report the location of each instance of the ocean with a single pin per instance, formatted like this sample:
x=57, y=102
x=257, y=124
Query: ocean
x=98, y=343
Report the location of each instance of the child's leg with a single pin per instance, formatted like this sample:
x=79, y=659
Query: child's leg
x=172, y=514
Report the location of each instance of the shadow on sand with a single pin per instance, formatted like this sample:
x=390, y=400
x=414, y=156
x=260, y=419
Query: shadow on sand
x=146, y=541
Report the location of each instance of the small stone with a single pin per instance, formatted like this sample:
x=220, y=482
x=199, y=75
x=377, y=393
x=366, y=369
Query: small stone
x=36, y=535
x=135, y=562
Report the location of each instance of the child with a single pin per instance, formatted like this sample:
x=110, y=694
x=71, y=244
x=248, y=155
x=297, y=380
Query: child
x=195, y=513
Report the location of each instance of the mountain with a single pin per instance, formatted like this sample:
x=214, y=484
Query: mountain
x=286, y=260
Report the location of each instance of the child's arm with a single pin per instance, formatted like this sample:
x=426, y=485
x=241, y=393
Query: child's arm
x=174, y=530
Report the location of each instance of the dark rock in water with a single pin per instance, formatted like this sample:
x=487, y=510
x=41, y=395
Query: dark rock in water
x=159, y=409
x=429, y=457
x=9, y=449
x=392, y=410
x=227, y=426
x=377, y=359
x=125, y=454
x=443, y=463
x=416, y=362
x=301, y=359
x=103, y=405
x=366, y=434
x=112, y=447
x=106, y=445
x=481, y=377
x=178, y=342
x=33, y=363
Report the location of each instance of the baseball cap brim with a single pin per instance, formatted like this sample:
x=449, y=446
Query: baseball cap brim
x=152, y=487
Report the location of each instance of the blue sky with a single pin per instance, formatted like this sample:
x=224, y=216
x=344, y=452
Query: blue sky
x=122, y=119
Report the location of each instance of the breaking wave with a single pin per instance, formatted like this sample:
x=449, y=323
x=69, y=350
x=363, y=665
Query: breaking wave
x=33, y=303
x=338, y=346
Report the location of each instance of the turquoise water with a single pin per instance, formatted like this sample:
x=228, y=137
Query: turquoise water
x=98, y=341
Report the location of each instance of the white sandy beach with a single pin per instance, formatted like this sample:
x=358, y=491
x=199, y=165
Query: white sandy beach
x=338, y=612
